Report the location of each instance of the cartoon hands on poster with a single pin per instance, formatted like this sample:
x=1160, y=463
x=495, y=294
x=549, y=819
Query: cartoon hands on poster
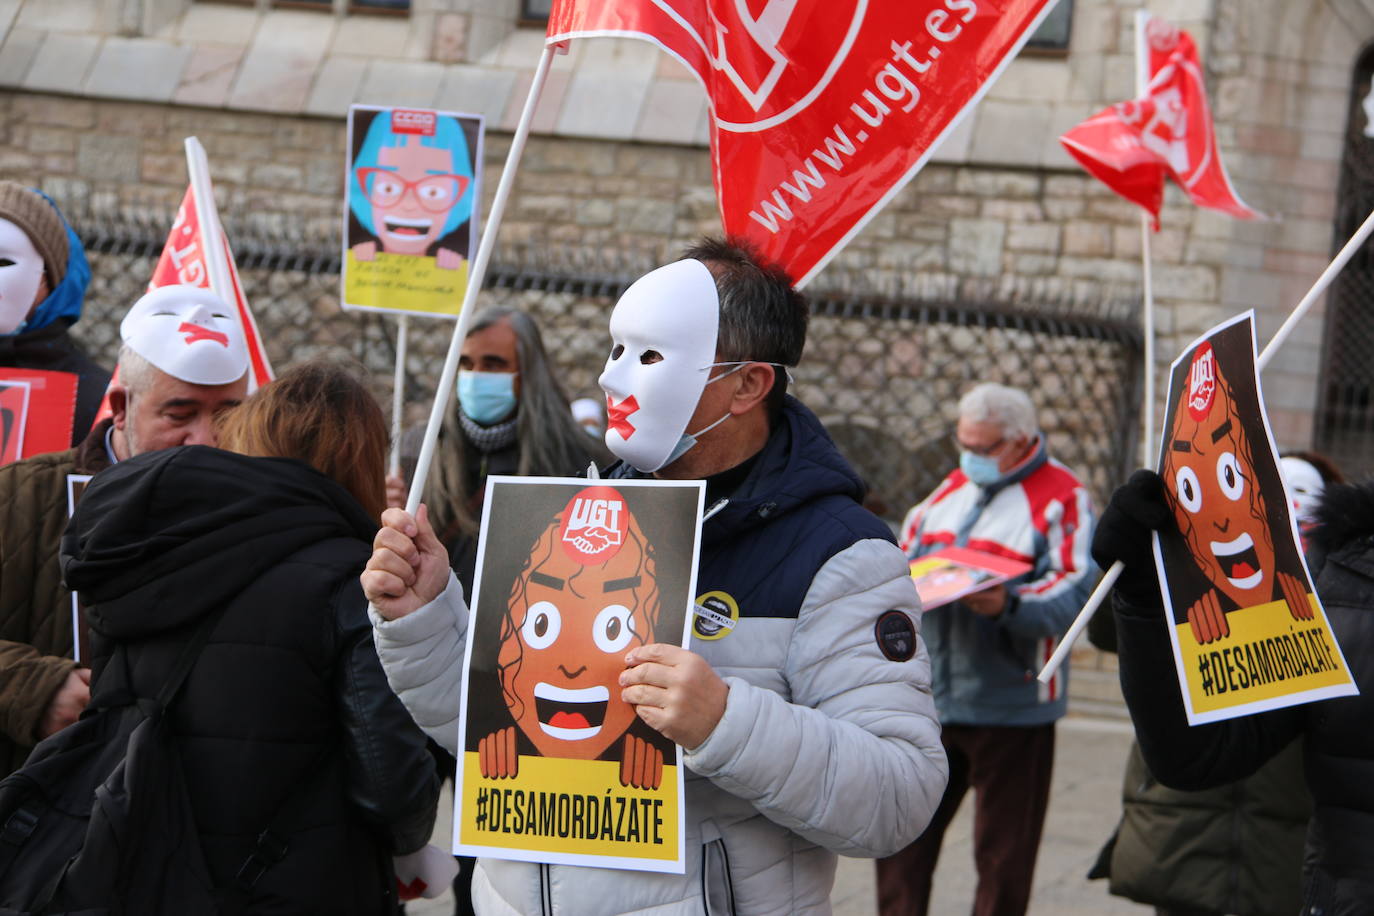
x=587, y=593
x=411, y=191
x=641, y=764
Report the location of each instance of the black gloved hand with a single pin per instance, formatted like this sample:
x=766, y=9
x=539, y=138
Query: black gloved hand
x=1136, y=509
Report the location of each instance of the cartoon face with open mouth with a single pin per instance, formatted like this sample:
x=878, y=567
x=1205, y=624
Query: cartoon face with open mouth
x=1210, y=476
x=586, y=595
x=411, y=186
x=412, y=190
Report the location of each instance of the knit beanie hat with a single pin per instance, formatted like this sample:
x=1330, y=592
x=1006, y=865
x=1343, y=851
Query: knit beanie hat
x=41, y=222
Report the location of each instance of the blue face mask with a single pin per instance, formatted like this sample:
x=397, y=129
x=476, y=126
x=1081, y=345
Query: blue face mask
x=486, y=397
x=980, y=469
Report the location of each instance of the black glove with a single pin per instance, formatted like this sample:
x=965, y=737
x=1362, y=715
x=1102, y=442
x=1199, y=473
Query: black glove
x=1123, y=534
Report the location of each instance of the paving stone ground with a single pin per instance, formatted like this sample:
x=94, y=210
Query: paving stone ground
x=1085, y=803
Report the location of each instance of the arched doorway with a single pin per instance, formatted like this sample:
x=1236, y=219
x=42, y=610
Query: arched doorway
x=1345, y=414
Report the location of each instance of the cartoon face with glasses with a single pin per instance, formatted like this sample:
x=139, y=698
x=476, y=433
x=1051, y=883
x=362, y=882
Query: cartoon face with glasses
x=410, y=188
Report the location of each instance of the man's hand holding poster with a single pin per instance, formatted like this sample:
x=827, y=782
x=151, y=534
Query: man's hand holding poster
x=410, y=209
x=1248, y=631
x=555, y=766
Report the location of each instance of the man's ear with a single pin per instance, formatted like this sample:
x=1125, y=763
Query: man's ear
x=119, y=405
x=755, y=383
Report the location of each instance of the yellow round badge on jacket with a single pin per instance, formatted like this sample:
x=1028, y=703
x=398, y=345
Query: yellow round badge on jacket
x=716, y=614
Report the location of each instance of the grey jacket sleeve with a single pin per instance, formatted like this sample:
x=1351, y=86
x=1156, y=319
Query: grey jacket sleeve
x=422, y=655
x=854, y=762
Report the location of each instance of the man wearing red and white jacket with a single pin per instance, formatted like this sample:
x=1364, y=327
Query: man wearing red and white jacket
x=1008, y=498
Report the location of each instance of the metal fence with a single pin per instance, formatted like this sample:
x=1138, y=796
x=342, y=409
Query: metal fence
x=884, y=366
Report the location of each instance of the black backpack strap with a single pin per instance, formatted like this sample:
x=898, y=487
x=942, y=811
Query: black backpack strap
x=187, y=659
x=271, y=846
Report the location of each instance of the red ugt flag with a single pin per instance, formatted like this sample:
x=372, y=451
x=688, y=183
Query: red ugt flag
x=183, y=263
x=822, y=110
x=1131, y=146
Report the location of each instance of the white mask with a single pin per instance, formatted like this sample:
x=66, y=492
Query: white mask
x=1305, y=486
x=673, y=311
x=189, y=333
x=21, y=271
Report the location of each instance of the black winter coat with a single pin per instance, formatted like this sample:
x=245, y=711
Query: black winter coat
x=287, y=697
x=1337, y=734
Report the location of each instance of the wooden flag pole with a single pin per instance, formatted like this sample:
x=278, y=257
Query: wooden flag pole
x=475, y=278
x=1104, y=587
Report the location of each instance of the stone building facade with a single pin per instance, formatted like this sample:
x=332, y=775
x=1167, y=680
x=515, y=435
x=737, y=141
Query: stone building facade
x=97, y=95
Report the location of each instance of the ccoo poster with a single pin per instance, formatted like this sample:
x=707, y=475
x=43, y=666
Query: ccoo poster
x=553, y=766
x=1248, y=631
x=410, y=209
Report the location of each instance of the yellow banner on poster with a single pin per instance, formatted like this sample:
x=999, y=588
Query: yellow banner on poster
x=404, y=283
x=1268, y=655
x=565, y=806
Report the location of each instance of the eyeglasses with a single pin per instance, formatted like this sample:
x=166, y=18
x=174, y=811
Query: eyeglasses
x=435, y=193
x=985, y=452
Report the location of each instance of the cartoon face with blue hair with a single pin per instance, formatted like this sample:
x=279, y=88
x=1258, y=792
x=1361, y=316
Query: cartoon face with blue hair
x=411, y=189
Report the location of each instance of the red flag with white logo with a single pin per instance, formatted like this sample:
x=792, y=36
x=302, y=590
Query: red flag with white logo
x=821, y=110
x=1131, y=146
x=183, y=263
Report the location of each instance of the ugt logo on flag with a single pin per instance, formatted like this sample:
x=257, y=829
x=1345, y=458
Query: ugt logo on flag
x=820, y=111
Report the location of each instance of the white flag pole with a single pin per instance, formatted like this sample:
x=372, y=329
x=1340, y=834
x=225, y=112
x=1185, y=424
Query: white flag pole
x=475, y=278
x=398, y=385
x=1147, y=415
x=207, y=218
x=1303, y=307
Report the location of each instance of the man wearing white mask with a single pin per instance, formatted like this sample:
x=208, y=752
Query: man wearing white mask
x=803, y=699
x=183, y=358
x=1008, y=498
x=43, y=278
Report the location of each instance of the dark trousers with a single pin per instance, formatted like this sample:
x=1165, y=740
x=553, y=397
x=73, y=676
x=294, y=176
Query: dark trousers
x=1008, y=769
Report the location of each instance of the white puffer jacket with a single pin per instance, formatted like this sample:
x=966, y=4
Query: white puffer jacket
x=826, y=747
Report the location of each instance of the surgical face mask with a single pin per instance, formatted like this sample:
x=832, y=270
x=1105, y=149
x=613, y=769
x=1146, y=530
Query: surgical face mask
x=1305, y=486
x=21, y=272
x=981, y=469
x=663, y=336
x=486, y=397
x=690, y=439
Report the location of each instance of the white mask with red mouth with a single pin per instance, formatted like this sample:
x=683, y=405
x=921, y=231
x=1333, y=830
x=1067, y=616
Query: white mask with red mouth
x=189, y=333
x=663, y=344
x=21, y=271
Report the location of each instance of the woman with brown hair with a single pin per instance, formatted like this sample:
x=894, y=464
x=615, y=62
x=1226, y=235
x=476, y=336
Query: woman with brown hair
x=286, y=720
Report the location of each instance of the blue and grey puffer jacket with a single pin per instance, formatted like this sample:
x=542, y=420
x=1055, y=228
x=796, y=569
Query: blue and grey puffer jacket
x=827, y=745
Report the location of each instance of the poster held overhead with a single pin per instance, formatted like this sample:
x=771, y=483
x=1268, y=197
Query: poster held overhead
x=1248, y=631
x=553, y=765
x=410, y=209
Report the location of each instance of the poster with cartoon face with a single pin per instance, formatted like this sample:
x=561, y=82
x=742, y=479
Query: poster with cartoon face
x=1248, y=631
x=555, y=766
x=14, y=417
x=410, y=209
